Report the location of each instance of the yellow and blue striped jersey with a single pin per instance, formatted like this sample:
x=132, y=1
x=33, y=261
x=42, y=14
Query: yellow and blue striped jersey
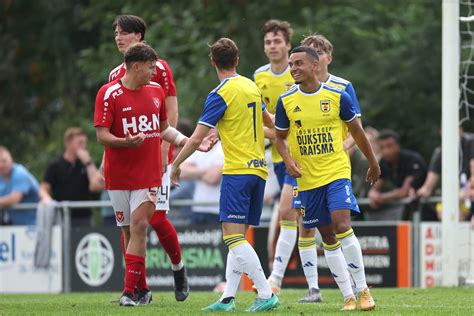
x=347, y=86
x=316, y=133
x=272, y=86
x=235, y=106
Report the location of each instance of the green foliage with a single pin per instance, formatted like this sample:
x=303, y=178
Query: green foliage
x=60, y=53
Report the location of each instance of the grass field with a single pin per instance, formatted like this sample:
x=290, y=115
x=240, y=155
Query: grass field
x=440, y=301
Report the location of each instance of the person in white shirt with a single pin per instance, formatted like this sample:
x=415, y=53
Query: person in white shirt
x=206, y=170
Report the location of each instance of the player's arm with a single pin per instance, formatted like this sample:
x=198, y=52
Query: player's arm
x=269, y=125
x=106, y=138
x=282, y=127
x=348, y=114
x=190, y=146
x=172, y=112
x=214, y=109
x=349, y=142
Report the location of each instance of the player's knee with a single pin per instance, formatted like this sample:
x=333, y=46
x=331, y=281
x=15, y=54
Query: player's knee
x=342, y=227
x=307, y=232
x=288, y=214
x=139, y=226
x=329, y=239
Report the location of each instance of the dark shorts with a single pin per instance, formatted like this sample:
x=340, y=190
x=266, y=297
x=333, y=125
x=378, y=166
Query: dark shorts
x=317, y=204
x=241, y=199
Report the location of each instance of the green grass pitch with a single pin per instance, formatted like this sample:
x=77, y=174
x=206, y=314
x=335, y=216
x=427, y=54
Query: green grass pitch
x=439, y=301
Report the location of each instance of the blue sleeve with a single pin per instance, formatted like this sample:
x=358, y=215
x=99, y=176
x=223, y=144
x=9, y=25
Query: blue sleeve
x=264, y=107
x=20, y=180
x=347, y=112
x=351, y=92
x=214, y=109
x=281, y=119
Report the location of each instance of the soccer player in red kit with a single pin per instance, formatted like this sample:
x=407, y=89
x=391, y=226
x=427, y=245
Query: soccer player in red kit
x=130, y=29
x=131, y=120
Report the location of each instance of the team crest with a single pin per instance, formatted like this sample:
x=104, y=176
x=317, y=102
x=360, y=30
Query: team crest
x=157, y=102
x=119, y=216
x=298, y=124
x=302, y=210
x=325, y=105
x=295, y=191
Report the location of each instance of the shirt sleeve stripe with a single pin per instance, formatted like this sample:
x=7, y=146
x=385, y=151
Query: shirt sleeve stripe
x=351, y=119
x=281, y=128
x=206, y=124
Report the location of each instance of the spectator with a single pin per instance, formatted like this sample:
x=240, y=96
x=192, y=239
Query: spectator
x=206, y=170
x=72, y=176
x=402, y=170
x=359, y=164
x=186, y=190
x=17, y=185
x=432, y=182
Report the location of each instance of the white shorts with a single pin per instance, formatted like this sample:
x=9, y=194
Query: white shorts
x=125, y=202
x=163, y=197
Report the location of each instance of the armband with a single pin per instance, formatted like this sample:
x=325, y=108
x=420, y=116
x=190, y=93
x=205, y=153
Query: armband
x=173, y=135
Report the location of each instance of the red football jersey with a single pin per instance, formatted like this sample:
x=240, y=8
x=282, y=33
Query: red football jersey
x=121, y=109
x=163, y=76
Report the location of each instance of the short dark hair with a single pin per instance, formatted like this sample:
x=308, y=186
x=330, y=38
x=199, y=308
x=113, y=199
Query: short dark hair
x=139, y=52
x=387, y=134
x=130, y=24
x=224, y=53
x=185, y=126
x=277, y=25
x=306, y=49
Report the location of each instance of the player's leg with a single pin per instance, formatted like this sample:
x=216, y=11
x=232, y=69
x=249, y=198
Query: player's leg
x=241, y=204
x=342, y=202
x=316, y=214
x=121, y=203
x=287, y=238
x=309, y=262
x=142, y=202
x=274, y=230
x=168, y=237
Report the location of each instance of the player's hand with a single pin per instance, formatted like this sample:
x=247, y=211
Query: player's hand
x=134, y=141
x=373, y=174
x=208, y=142
x=174, y=176
x=293, y=168
x=83, y=155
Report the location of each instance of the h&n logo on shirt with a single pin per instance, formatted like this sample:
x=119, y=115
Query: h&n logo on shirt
x=143, y=124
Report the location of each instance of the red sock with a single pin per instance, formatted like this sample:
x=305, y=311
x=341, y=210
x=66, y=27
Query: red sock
x=134, y=269
x=167, y=235
x=142, y=283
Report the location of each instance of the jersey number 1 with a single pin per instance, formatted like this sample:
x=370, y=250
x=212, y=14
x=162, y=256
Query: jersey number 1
x=253, y=106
